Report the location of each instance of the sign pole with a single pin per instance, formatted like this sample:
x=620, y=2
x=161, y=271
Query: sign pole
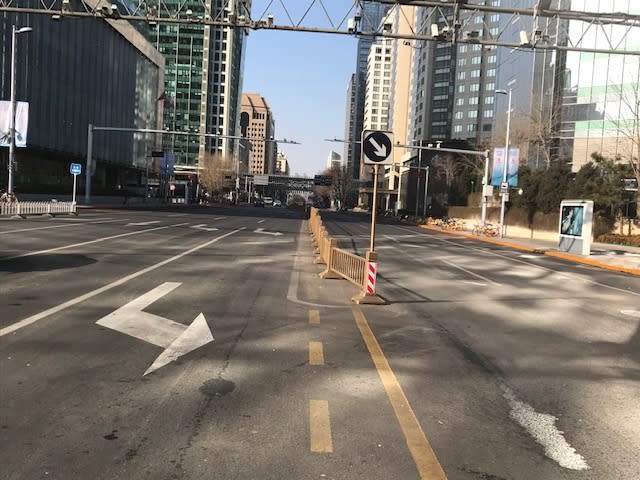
x=73, y=198
x=374, y=207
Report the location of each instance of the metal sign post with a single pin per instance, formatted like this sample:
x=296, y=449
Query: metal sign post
x=373, y=208
x=76, y=169
x=377, y=149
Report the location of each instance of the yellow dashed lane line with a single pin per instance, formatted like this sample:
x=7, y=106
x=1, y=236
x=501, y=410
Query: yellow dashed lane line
x=316, y=355
x=314, y=317
x=320, y=426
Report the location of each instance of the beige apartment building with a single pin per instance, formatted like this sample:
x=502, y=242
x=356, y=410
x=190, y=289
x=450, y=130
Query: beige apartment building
x=258, y=126
x=388, y=101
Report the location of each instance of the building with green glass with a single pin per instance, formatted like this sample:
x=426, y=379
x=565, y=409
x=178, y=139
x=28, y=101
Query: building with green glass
x=203, y=79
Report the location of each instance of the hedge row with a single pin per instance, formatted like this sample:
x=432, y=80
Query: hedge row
x=630, y=241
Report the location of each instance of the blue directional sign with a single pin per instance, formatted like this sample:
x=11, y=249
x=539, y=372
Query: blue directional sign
x=377, y=147
x=76, y=168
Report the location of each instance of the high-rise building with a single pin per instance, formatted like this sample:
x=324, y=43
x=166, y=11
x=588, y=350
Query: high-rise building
x=595, y=105
x=454, y=83
x=282, y=164
x=334, y=160
x=203, y=81
x=257, y=124
x=111, y=77
x=370, y=15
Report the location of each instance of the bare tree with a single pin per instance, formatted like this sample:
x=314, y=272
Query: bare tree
x=447, y=168
x=213, y=169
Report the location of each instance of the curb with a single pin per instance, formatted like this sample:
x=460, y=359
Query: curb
x=542, y=251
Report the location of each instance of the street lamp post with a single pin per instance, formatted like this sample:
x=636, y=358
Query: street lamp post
x=505, y=165
x=12, y=107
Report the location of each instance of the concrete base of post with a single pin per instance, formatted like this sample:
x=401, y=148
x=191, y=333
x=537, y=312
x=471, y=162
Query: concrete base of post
x=368, y=299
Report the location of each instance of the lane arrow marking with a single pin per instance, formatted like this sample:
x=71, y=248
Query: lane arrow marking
x=203, y=226
x=380, y=150
x=176, y=338
x=141, y=224
x=261, y=230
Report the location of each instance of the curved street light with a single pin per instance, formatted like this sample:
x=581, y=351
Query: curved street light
x=12, y=107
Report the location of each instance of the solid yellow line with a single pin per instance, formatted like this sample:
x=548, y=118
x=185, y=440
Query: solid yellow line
x=423, y=455
x=314, y=317
x=316, y=356
x=320, y=426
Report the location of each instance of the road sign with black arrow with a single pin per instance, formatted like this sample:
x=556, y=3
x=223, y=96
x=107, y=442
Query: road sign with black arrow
x=377, y=147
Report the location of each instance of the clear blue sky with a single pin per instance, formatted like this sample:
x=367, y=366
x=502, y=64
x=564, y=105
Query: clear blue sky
x=304, y=79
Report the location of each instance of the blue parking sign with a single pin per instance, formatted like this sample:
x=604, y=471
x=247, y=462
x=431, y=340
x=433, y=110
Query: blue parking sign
x=76, y=168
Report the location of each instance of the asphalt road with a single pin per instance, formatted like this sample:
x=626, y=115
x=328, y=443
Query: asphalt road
x=202, y=344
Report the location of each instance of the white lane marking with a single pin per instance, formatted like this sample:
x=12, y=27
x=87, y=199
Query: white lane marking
x=176, y=338
x=631, y=313
x=292, y=292
x=479, y=284
x=542, y=428
x=563, y=274
x=39, y=316
x=98, y=222
x=203, y=226
x=261, y=230
x=260, y=221
x=75, y=224
x=177, y=215
x=143, y=224
x=473, y=274
x=97, y=240
x=195, y=336
x=41, y=228
x=220, y=218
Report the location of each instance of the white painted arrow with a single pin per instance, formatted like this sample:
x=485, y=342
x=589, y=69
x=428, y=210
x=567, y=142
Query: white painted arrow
x=261, y=230
x=381, y=150
x=203, y=226
x=140, y=224
x=176, y=338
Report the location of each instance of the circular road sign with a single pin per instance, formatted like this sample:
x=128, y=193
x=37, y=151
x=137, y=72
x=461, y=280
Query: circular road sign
x=377, y=147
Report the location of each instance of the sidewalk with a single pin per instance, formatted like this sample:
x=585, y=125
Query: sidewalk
x=617, y=258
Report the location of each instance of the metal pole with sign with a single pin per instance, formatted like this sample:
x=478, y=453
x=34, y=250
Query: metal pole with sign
x=376, y=150
x=372, y=246
x=76, y=169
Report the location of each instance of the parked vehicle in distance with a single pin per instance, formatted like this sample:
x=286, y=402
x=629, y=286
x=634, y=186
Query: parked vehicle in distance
x=258, y=202
x=277, y=203
x=268, y=200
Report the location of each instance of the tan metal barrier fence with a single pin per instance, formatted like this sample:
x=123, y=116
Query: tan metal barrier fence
x=341, y=263
x=37, y=208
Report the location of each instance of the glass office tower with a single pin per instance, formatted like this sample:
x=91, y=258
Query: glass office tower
x=203, y=78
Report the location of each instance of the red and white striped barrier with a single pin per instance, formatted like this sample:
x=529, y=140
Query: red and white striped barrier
x=371, y=278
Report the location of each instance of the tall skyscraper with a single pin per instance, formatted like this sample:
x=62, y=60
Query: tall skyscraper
x=203, y=80
x=595, y=105
x=370, y=15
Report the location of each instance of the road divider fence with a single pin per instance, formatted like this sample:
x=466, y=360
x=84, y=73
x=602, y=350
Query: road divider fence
x=22, y=209
x=343, y=264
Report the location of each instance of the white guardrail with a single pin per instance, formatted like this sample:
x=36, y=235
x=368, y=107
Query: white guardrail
x=23, y=209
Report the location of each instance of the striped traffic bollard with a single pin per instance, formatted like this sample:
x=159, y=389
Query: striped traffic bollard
x=368, y=294
x=371, y=278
